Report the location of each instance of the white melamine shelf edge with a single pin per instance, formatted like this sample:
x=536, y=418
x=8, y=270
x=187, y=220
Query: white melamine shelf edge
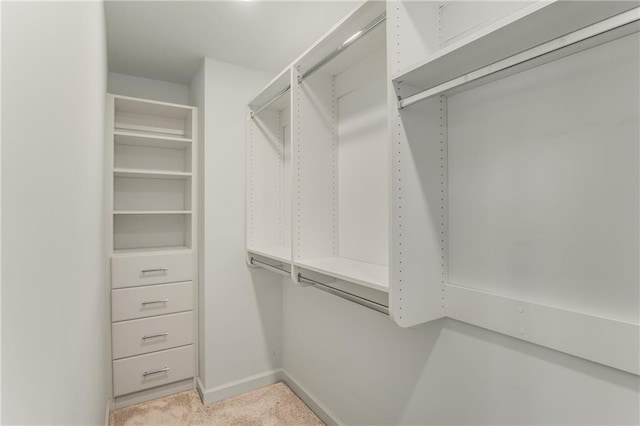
x=353, y=271
x=281, y=254
x=153, y=212
x=141, y=173
x=278, y=84
x=585, y=38
x=150, y=101
x=480, y=49
x=151, y=250
x=603, y=340
x=150, y=135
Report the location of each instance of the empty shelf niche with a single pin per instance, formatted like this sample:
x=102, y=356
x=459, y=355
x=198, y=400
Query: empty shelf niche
x=135, y=192
x=134, y=232
x=269, y=171
x=138, y=116
x=151, y=154
x=340, y=150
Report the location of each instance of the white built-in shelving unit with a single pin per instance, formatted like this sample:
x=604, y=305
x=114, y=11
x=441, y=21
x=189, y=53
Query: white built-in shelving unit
x=269, y=173
x=515, y=191
x=472, y=160
x=150, y=239
x=317, y=164
x=340, y=226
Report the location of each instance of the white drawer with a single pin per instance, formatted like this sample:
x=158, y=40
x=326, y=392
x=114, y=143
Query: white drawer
x=141, y=302
x=137, y=270
x=152, y=334
x=151, y=370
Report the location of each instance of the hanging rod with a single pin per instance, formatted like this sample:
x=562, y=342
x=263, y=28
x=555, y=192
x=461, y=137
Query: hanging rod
x=270, y=101
x=599, y=33
x=348, y=42
x=271, y=268
x=346, y=295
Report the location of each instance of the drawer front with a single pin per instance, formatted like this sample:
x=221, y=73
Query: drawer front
x=142, y=302
x=152, y=334
x=137, y=270
x=151, y=370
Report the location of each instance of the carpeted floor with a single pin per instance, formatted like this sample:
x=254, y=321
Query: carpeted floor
x=271, y=405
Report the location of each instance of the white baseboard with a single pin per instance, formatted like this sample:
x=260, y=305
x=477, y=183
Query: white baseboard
x=256, y=381
x=153, y=393
x=247, y=384
x=317, y=407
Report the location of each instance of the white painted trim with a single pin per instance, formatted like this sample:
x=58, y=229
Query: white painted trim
x=107, y=411
x=231, y=389
x=153, y=393
x=316, y=406
x=237, y=387
x=607, y=341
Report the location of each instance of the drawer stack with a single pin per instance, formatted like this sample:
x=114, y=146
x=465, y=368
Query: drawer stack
x=152, y=300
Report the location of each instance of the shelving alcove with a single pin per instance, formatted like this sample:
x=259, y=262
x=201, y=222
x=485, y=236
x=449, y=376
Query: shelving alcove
x=515, y=171
x=150, y=241
x=317, y=194
x=269, y=171
x=340, y=97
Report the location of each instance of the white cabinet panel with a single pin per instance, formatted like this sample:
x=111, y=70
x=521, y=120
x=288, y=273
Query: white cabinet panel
x=137, y=270
x=151, y=370
x=141, y=302
x=152, y=334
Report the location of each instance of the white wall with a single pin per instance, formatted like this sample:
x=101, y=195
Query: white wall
x=147, y=88
x=53, y=310
x=366, y=370
x=241, y=319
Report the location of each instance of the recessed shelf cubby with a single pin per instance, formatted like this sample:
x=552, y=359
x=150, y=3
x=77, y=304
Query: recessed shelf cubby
x=152, y=185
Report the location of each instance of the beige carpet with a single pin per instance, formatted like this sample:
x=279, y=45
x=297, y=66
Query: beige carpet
x=271, y=405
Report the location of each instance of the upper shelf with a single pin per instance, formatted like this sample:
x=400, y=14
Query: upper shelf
x=272, y=96
x=122, y=137
x=363, y=273
x=153, y=174
x=152, y=117
x=126, y=104
x=360, y=34
x=524, y=30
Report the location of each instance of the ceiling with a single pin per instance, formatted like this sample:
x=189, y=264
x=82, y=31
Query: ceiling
x=166, y=40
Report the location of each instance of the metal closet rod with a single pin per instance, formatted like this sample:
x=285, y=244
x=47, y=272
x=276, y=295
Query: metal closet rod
x=349, y=42
x=593, y=35
x=378, y=307
x=271, y=268
x=270, y=101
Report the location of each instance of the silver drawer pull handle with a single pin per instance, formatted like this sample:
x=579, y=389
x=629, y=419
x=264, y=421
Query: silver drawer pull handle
x=162, y=370
x=155, y=301
x=148, y=271
x=165, y=334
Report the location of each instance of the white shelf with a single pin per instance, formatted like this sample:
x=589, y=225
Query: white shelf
x=146, y=139
x=154, y=212
x=366, y=274
x=168, y=249
x=340, y=34
x=154, y=174
x=533, y=26
x=281, y=254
